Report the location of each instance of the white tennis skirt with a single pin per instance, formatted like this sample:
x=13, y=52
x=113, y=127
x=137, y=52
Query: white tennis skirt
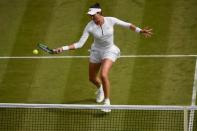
x=98, y=54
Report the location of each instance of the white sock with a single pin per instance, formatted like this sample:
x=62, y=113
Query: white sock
x=101, y=88
x=107, y=100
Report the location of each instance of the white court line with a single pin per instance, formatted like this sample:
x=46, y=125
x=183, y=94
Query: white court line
x=122, y=56
x=194, y=87
x=193, y=103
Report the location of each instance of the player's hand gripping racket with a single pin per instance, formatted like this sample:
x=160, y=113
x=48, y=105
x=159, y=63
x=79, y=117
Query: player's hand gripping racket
x=46, y=48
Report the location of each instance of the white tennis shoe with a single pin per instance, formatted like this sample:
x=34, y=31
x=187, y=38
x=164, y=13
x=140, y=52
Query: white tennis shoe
x=106, y=103
x=100, y=95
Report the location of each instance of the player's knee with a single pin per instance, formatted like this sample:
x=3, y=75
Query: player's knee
x=104, y=76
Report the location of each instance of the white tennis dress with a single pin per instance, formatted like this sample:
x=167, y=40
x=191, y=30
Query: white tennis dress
x=103, y=46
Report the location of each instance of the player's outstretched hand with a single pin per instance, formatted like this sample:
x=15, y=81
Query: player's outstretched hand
x=58, y=50
x=147, y=32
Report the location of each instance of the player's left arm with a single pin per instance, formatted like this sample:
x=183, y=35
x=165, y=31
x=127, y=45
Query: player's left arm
x=146, y=32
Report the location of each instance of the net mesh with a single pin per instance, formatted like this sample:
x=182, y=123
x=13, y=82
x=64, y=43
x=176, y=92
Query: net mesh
x=195, y=122
x=66, y=119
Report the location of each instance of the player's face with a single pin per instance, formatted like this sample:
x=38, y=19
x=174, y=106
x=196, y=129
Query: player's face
x=95, y=17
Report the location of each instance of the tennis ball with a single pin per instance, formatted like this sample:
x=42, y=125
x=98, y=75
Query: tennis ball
x=35, y=52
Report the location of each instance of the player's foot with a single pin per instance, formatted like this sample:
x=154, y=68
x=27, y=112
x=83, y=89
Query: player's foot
x=100, y=95
x=106, y=103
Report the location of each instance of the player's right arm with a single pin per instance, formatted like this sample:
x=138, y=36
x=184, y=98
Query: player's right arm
x=76, y=45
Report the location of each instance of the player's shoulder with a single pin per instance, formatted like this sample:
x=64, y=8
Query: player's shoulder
x=89, y=25
x=111, y=19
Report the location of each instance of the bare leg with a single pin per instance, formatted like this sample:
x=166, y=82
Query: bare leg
x=105, y=68
x=95, y=79
x=93, y=73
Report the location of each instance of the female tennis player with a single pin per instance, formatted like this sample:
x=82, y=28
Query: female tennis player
x=103, y=50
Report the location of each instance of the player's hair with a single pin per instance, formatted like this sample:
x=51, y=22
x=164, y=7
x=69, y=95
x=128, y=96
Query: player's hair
x=96, y=5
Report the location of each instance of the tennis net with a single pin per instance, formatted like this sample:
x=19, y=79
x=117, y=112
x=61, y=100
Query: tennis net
x=68, y=117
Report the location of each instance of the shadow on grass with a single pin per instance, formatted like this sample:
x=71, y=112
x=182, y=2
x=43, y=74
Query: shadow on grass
x=82, y=101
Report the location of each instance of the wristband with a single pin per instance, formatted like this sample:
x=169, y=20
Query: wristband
x=65, y=47
x=138, y=30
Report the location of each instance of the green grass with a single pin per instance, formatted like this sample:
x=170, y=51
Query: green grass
x=135, y=81
x=143, y=81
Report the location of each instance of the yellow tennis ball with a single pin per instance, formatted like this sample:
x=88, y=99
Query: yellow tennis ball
x=35, y=52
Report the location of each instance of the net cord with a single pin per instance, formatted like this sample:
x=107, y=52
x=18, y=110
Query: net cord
x=81, y=106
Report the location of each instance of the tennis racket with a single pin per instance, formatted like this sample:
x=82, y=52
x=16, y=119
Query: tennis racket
x=45, y=48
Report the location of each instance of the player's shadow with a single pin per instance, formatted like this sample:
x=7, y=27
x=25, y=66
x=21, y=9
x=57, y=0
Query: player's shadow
x=84, y=101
